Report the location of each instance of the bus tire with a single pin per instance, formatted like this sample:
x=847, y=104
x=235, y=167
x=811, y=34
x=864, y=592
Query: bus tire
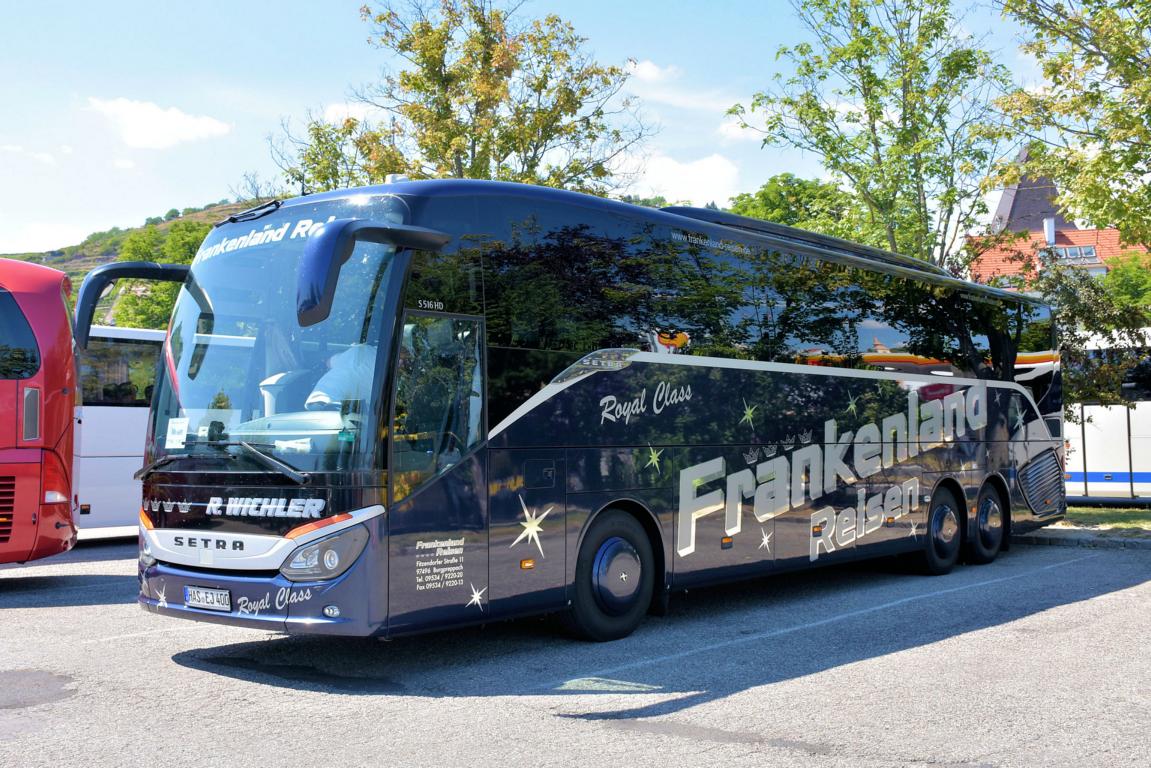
x=989, y=528
x=615, y=574
x=943, y=535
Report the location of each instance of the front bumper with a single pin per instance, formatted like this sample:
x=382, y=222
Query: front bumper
x=270, y=602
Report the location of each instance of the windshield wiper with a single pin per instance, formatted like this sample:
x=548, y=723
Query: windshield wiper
x=143, y=472
x=271, y=462
x=252, y=213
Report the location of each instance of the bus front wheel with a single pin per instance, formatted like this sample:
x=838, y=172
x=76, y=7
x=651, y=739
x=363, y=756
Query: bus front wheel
x=614, y=578
x=943, y=534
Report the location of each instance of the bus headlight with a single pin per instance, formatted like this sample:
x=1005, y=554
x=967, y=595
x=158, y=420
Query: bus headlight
x=147, y=559
x=326, y=558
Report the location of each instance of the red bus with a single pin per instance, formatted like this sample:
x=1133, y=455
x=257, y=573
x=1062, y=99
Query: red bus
x=37, y=396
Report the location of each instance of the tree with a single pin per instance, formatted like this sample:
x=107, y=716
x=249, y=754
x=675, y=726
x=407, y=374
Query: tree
x=480, y=94
x=816, y=206
x=1089, y=313
x=1090, y=123
x=149, y=305
x=1128, y=281
x=172, y=214
x=894, y=102
x=252, y=189
x=658, y=201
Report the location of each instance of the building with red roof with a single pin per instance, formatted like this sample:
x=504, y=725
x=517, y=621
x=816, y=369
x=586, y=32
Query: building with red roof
x=1028, y=208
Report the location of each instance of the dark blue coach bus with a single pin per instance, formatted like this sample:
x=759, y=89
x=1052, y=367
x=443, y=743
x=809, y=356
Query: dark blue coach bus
x=428, y=404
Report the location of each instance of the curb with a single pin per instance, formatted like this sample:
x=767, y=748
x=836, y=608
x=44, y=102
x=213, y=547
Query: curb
x=1079, y=537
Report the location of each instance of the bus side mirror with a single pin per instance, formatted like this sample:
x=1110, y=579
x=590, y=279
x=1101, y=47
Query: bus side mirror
x=100, y=278
x=330, y=248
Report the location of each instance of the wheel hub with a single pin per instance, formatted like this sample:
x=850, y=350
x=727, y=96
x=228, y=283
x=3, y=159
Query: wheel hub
x=990, y=522
x=616, y=575
x=945, y=529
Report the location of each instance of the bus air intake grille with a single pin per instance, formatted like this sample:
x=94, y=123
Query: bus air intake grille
x=7, y=507
x=1042, y=482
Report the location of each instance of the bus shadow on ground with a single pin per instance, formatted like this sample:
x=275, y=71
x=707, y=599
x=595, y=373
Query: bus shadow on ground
x=714, y=643
x=18, y=591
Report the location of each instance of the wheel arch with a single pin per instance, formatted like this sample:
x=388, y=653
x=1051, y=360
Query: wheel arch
x=650, y=523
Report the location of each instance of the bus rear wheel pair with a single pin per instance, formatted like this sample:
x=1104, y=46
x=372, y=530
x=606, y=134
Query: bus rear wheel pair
x=944, y=540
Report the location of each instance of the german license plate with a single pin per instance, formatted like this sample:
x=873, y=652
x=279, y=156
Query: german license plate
x=209, y=599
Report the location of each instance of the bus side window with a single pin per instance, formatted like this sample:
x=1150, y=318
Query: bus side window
x=118, y=371
x=19, y=355
x=438, y=400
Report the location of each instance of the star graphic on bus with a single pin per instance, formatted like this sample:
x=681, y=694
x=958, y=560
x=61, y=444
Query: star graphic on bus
x=852, y=408
x=748, y=414
x=765, y=540
x=653, y=458
x=477, y=597
x=1019, y=420
x=533, y=525
x=915, y=530
x=161, y=600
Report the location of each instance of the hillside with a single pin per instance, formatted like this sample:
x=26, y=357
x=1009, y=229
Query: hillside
x=103, y=247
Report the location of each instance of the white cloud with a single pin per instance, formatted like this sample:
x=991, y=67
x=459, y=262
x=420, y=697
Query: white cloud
x=657, y=85
x=145, y=125
x=730, y=129
x=709, y=179
x=65, y=149
x=649, y=72
x=340, y=111
x=40, y=157
x=27, y=235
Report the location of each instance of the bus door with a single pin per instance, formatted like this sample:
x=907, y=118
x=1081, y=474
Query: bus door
x=1075, y=466
x=438, y=516
x=1107, y=451
x=1139, y=417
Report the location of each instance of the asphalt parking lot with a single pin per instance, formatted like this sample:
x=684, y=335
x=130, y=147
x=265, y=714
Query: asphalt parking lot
x=1039, y=659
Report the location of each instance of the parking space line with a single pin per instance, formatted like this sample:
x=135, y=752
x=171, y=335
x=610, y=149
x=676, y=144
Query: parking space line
x=810, y=625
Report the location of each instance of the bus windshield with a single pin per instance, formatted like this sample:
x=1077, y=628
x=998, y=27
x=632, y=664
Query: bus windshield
x=237, y=366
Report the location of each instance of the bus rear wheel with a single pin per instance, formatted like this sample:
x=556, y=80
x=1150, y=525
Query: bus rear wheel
x=990, y=527
x=614, y=578
x=943, y=535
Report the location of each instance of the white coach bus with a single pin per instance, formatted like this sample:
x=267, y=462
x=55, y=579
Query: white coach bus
x=117, y=374
x=1109, y=450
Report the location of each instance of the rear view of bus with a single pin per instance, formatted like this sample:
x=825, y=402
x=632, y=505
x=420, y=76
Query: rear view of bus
x=37, y=381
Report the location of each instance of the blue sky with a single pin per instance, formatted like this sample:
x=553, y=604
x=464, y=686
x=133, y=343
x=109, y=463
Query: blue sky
x=119, y=111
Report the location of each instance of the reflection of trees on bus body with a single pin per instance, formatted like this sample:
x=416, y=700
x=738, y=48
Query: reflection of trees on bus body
x=553, y=292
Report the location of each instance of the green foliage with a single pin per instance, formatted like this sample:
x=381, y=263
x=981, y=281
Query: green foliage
x=1089, y=314
x=144, y=305
x=659, y=201
x=888, y=97
x=816, y=206
x=481, y=94
x=1090, y=123
x=1128, y=281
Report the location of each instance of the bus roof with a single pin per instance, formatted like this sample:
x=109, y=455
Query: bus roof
x=23, y=276
x=804, y=236
x=778, y=235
